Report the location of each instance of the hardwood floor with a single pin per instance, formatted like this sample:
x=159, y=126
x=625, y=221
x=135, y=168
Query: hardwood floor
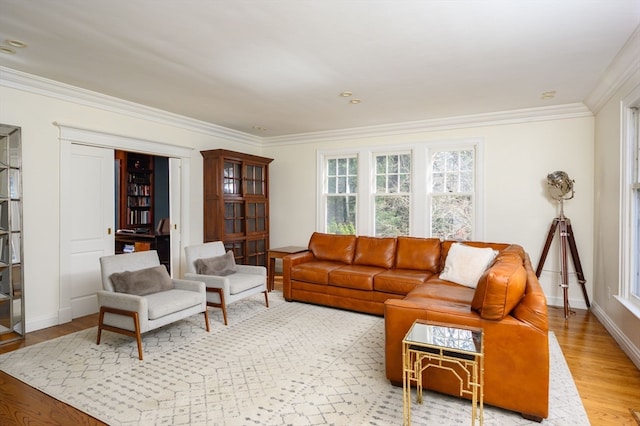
x=607, y=380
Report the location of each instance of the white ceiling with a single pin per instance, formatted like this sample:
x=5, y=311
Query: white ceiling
x=281, y=65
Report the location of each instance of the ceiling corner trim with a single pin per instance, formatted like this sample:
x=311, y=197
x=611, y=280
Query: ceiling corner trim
x=34, y=84
x=556, y=112
x=622, y=68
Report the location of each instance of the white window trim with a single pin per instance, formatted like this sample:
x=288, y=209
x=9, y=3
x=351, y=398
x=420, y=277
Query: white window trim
x=625, y=296
x=419, y=220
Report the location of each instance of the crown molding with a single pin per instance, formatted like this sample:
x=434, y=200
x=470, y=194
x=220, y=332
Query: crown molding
x=42, y=86
x=517, y=116
x=623, y=67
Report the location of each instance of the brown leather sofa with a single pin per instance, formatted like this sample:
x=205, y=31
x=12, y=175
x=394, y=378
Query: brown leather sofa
x=399, y=278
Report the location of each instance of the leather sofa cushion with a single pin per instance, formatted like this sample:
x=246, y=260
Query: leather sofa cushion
x=335, y=248
x=316, y=272
x=438, y=289
x=422, y=254
x=500, y=288
x=358, y=277
x=399, y=281
x=375, y=251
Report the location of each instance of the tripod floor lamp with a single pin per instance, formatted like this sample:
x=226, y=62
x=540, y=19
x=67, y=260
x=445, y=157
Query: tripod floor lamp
x=561, y=189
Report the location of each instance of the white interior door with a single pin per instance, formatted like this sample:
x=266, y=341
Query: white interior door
x=92, y=215
x=175, y=181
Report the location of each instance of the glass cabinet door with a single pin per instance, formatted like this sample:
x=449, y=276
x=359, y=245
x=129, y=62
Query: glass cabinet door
x=11, y=284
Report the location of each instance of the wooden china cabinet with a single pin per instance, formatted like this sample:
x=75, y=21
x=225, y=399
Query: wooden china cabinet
x=236, y=203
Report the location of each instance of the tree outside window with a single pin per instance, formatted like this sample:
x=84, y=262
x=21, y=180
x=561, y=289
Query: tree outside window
x=392, y=194
x=341, y=199
x=452, y=194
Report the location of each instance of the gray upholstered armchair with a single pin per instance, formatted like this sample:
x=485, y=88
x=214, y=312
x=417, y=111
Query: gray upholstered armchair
x=139, y=295
x=232, y=282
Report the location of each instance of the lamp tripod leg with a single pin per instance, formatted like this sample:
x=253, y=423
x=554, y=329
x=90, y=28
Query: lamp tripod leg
x=576, y=263
x=547, y=244
x=563, y=268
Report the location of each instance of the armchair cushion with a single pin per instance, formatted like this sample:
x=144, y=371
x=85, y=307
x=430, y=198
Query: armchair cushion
x=143, y=281
x=169, y=302
x=218, y=265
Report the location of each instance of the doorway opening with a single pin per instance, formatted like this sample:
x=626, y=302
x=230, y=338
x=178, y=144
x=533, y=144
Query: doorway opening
x=142, y=204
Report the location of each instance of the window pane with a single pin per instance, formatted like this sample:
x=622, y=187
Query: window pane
x=392, y=166
x=466, y=160
x=331, y=167
x=381, y=183
x=341, y=214
x=393, y=184
x=452, y=160
x=353, y=166
x=452, y=182
x=405, y=163
x=342, y=185
x=438, y=162
x=437, y=182
x=392, y=216
x=331, y=185
x=353, y=184
x=466, y=182
x=451, y=217
x=405, y=183
x=381, y=164
x=342, y=166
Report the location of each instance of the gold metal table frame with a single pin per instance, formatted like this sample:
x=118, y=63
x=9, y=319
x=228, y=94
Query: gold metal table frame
x=444, y=346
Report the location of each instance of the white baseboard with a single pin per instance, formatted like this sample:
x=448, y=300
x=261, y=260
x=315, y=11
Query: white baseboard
x=573, y=303
x=632, y=351
x=41, y=323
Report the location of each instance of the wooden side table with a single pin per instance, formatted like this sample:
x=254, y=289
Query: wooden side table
x=443, y=346
x=278, y=253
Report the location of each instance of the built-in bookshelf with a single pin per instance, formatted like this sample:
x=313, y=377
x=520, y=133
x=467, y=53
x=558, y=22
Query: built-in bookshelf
x=136, y=191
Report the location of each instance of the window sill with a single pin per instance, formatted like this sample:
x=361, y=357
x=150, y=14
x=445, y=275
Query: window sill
x=632, y=307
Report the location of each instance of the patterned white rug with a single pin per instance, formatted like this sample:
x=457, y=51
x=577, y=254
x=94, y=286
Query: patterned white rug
x=290, y=364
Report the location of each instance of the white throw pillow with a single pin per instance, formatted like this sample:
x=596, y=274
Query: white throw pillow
x=465, y=264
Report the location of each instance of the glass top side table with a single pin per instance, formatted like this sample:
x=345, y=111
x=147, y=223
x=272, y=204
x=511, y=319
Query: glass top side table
x=444, y=346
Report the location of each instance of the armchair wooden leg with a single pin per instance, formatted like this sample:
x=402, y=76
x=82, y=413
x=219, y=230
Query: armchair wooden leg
x=266, y=297
x=136, y=324
x=221, y=305
x=206, y=319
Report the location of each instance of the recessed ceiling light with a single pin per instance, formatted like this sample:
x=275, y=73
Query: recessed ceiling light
x=16, y=43
x=548, y=95
x=346, y=94
x=7, y=50
x=355, y=101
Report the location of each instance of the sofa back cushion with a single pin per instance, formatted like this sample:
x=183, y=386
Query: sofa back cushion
x=331, y=247
x=375, y=251
x=422, y=254
x=500, y=288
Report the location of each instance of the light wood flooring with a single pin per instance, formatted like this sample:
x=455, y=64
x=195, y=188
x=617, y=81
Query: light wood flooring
x=608, y=382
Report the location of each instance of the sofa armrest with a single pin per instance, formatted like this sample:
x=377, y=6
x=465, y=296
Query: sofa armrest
x=288, y=262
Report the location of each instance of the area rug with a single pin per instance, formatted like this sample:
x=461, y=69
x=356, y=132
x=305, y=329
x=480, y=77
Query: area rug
x=289, y=364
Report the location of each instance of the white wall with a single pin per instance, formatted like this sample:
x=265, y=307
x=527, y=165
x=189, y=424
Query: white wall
x=518, y=155
x=517, y=207
x=623, y=324
x=35, y=113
